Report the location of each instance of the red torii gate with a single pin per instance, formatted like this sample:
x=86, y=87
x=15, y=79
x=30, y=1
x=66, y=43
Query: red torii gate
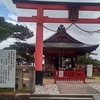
x=40, y=19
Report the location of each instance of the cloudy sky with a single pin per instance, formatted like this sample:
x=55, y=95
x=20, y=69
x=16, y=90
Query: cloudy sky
x=9, y=11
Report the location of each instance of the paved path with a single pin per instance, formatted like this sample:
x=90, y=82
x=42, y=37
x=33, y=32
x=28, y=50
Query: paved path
x=75, y=88
x=92, y=86
x=50, y=80
x=93, y=80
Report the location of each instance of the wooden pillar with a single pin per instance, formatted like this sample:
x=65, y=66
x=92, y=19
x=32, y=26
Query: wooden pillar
x=76, y=61
x=39, y=47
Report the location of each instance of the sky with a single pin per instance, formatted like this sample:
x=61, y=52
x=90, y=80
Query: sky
x=9, y=11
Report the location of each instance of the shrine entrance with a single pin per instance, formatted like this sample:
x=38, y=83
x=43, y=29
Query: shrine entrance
x=60, y=61
x=62, y=67
x=73, y=17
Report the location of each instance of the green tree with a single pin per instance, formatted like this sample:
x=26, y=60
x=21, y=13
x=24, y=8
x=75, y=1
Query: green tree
x=15, y=31
x=84, y=60
x=25, y=50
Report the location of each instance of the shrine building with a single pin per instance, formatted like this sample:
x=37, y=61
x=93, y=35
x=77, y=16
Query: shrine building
x=61, y=48
x=61, y=51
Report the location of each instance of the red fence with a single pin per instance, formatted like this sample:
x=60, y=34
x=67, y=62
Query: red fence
x=69, y=75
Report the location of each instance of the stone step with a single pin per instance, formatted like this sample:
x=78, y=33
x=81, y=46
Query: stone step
x=61, y=97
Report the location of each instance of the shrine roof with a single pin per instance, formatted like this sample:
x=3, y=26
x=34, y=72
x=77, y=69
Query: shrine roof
x=61, y=36
x=69, y=45
x=63, y=41
x=66, y=2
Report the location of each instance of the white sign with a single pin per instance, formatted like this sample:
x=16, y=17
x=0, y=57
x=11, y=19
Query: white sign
x=75, y=1
x=61, y=73
x=7, y=68
x=89, y=70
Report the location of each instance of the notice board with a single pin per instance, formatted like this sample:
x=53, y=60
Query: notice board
x=7, y=68
x=89, y=70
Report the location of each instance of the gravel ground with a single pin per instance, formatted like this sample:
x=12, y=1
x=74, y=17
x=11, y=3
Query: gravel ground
x=47, y=89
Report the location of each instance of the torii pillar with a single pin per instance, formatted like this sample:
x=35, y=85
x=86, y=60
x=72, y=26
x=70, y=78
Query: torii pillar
x=40, y=19
x=39, y=47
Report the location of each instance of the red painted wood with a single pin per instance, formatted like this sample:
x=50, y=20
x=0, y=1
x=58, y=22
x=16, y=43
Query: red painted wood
x=83, y=76
x=39, y=41
x=54, y=7
x=90, y=8
x=66, y=20
x=44, y=6
x=77, y=75
x=59, y=20
x=27, y=19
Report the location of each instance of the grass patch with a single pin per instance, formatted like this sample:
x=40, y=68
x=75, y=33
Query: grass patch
x=11, y=90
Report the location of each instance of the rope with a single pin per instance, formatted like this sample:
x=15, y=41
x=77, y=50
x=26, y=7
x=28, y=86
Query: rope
x=97, y=31
x=90, y=32
x=56, y=30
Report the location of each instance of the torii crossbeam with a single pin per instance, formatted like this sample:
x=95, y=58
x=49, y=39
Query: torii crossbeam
x=41, y=5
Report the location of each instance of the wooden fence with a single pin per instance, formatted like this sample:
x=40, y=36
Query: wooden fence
x=69, y=75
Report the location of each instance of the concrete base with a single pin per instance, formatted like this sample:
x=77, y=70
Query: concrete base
x=39, y=78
